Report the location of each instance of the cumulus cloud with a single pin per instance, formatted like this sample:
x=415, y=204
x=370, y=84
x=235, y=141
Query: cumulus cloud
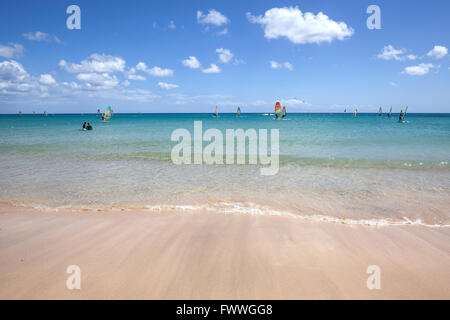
x=299, y=27
x=277, y=65
x=41, y=36
x=191, y=62
x=14, y=50
x=212, y=69
x=167, y=86
x=419, y=70
x=155, y=71
x=223, y=32
x=438, y=52
x=212, y=17
x=390, y=53
x=12, y=71
x=47, y=79
x=103, y=80
x=294, y=102
x=95, y=64
x=225, y=55
x=136, y=77
x=14, y=78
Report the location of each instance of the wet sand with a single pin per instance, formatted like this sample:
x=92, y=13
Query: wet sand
x=142, y=255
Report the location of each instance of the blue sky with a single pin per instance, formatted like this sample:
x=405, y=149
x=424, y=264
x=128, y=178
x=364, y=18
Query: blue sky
x=275, y=52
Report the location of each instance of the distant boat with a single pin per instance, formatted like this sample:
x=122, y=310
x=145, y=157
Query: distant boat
x=216, y=114
x=380, y=112
x=277, y=110
x=20, y=113
x=238, y=112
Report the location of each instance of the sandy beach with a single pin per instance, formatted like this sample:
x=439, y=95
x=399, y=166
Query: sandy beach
x=142, y=255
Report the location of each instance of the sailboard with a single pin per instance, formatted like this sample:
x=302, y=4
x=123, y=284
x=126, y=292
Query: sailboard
x=380, y=112
x=390, y=113
x=216, y=114
x=107, y=114
x=283, y=112
x=277, y=110
x=238, y=112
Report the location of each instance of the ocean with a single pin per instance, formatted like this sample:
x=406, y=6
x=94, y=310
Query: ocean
x=333, y=167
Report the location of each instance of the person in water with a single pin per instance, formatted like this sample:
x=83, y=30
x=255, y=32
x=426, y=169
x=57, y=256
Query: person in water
x=84, y=125
x=400, y=117
x=89, y=127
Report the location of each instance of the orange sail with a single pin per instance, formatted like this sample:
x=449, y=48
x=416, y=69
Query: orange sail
x=277, y=107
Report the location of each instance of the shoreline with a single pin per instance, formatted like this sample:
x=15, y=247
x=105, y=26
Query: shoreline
x=145, y=255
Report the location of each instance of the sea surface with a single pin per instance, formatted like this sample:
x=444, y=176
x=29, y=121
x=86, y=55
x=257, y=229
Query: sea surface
x=333, y=167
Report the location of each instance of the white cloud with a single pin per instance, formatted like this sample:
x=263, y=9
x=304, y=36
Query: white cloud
x=172, y=25
x=225, y=55
x=212, y=69
x=12, y=71
x=167, y=86
x=277, y=65
x=41, y=36
x=15, y=50
x=159, y=72
x=103, y=80
x=223, y=32
x=136, y=77
x=191, y=62
x=293, y=102
x=213, y=17
x=419, y=70
x=95, y=64
x=390, y=53
x=412, y=57
x=299, y=27
x=47, y=79
x=438, y=52
x=155, y=71
x=14, y=79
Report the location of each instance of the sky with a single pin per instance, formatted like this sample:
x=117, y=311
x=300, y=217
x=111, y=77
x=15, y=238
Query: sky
x=188, y=56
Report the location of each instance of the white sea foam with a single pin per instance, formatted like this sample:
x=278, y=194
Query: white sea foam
x=254, y=209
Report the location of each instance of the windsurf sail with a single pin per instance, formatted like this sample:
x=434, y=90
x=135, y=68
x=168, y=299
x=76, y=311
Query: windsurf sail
x=355, y=112
x=283, y=112
x=238, y=112
x=107, y=114
x=380, y=111
x=216, y=113
x=277, y=110
x=390, y=113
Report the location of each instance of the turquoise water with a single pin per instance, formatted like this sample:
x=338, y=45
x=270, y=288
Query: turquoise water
x=364, y=167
